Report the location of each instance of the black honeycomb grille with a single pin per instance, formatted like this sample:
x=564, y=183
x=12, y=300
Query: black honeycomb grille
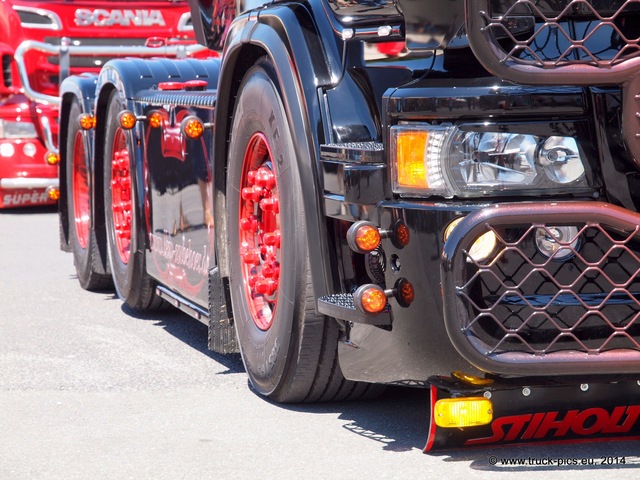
x=556, y=42
x=524, y=301
x=526, y=312
x=600, y=33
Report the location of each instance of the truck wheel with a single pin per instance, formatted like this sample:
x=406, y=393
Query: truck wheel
x=125, y=244
x=288, y=349
x=82, y=235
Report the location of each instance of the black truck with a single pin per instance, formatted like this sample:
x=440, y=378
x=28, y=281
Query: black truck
x=359, y=193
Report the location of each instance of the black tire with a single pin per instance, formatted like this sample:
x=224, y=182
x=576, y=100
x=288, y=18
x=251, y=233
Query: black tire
x=82, y=234
x=124, y=239
x=288, y=349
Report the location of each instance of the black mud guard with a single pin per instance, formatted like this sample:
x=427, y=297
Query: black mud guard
x=541, y=412
x=222, y=333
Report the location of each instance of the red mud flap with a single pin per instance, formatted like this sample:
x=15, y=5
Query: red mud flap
x=547, y=413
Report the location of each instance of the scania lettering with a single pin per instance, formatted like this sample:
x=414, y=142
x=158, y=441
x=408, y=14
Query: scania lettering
x=429, y=193
x=123, y=18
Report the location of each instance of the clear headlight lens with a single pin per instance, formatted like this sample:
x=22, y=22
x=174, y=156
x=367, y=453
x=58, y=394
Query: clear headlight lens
x=10, y=129
x=444, y=160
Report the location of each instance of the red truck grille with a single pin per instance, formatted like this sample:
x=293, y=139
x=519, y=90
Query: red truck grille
x=559, y=294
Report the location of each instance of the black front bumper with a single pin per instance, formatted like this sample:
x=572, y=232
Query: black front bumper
x=516, y=313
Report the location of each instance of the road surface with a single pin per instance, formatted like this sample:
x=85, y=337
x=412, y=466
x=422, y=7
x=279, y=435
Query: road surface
x=88, y=390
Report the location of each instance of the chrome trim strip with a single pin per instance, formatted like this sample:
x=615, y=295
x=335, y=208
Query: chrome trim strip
x=26, y=182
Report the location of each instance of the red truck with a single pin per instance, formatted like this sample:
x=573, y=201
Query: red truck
x=43, y=42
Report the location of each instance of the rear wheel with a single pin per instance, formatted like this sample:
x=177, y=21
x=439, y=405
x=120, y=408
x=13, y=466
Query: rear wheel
x=288, y=349
x=82, y=234
x=125, y=235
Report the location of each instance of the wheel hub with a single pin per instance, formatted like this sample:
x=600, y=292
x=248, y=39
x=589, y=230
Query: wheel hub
x=260, y=231
x=81, y=203
x=121, y=195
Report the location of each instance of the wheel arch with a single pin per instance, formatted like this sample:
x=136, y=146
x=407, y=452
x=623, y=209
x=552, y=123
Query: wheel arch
x=287, y=35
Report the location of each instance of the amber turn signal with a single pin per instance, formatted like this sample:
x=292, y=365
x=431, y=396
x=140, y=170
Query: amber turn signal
x=411, y=167
x=370, y=299
x=127, y=120
x=192, y=127
x=52, y=158
x=86, y=121
x=363, y=237
x=155, y=119
x=53, y=193
x=405, y=293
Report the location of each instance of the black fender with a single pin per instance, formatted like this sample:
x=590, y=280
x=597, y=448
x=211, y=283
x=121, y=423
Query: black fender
x=128, y=77
x=302, y=45
x=82, y=88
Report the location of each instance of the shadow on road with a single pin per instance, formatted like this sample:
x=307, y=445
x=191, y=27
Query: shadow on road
x=189, y=331
x=29, y=210
x=398, y=420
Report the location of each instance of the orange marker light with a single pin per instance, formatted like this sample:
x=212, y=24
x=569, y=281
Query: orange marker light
x=363, y=237
x=86, y=121
x=370, y=299
x=52, y=158
x=155, y=119
x=53, y=193
x=402, y=235
x=192, y=127
x=405, y=293
x=127, y=120
x=367, y=237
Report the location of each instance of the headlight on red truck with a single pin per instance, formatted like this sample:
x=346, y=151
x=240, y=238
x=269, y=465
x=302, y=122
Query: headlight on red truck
x=450, y=161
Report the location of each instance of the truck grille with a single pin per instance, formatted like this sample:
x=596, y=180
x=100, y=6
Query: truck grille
x=599, y=32
x=544, y=38
x=526, y=310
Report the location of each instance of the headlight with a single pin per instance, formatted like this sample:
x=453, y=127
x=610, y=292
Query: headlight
x=17, y=129
x=38, y=18
x=446, y=161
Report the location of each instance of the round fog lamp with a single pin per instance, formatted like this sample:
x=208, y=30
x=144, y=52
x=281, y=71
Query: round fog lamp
x=29, y=149
x=7, y=150
x=482, y=248
x=559, y=242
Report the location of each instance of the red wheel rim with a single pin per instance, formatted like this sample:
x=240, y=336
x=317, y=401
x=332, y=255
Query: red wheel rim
x=81, y=204
x=121, y=195
x=260, y=231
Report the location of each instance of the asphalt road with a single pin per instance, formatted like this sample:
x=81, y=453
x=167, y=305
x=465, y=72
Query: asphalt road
x=88, y=390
